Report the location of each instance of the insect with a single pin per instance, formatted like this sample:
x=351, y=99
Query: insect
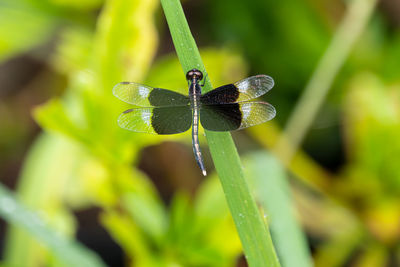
x=226, y=108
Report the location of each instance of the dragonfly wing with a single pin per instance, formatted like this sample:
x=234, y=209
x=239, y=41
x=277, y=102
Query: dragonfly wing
x=157, y=120
x=254, y=87
x=235, y=116
x=240, y=91
x=146, y=96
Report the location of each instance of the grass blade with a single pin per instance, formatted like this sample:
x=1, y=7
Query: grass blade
x=356, y=18
x=253, y=232
x=269, y=183
x=70, y=253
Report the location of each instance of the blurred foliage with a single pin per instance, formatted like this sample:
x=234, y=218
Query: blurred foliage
x=68, y=252
x=346, y=189
x=372, y=179
x=96, y=165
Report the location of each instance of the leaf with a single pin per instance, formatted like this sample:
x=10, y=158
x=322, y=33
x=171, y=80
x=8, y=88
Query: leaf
x=215, y=221
x=125, y=42
x=253, y=232
x=53, y=116
x=70, y=253
x=148, y=213
x=270, y=185
x=23, y=27
x=127, y=234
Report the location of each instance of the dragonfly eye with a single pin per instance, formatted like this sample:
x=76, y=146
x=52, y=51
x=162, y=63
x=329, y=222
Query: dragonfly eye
x=194, y=73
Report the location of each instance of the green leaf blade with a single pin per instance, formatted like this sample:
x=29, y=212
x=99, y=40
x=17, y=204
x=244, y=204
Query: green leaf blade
x=253, y=232
x=270, y=185
x=67, y=251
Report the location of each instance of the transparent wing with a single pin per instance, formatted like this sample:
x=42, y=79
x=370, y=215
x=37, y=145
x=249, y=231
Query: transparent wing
x=146, y=96
x=254, y=87
x=240, y=91
x=235, y=116
x=158, y=120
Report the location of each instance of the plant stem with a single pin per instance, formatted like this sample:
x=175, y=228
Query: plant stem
x=351, y=27
x=253, y=232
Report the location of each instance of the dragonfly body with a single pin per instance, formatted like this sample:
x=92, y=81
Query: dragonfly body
x=194, y=76
x=226, y=108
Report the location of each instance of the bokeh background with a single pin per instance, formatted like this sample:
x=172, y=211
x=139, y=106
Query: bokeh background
x=140, y=200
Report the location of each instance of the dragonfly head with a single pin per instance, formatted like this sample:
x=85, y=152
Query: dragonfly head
x=194, y=73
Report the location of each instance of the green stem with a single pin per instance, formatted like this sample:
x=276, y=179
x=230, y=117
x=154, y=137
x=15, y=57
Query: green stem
x=253, y=232
x=351, y=27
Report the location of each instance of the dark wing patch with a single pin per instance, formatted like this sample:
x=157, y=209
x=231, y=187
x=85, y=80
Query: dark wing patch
x=146, y=96
x=222, y=95
x=235, y=116
x=158, y=120
x=164, y=98
x=240, y=91
x=223, y=117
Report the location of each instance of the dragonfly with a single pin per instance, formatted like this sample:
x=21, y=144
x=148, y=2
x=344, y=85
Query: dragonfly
x=226, y=108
